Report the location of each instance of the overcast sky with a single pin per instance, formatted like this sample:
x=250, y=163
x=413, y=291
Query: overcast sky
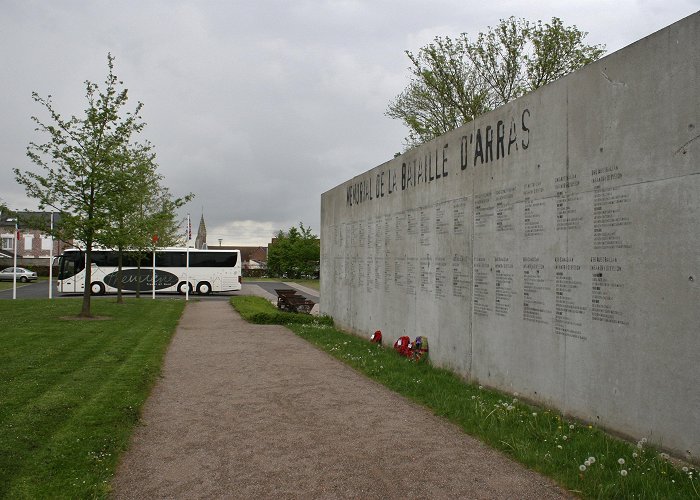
x=257, y=106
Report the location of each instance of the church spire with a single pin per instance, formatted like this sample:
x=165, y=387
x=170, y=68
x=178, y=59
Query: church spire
x=201, y=240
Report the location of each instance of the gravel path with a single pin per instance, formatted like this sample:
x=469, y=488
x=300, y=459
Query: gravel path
x=248, y=411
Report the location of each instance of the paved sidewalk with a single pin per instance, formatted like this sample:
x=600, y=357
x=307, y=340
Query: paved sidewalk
x=248, y=411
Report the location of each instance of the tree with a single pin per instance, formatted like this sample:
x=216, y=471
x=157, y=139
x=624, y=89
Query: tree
x=294, y=254
x=143, y=209
x=80, y=161
x=455, y=80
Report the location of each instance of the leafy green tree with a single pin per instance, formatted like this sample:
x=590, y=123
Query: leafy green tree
x=455, y=80
x=295, y=253
x=80, y=162
x=142, y=210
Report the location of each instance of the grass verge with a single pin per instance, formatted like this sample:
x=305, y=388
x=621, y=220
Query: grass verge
x=72, y=390
x=259, y=311
x=580, y=457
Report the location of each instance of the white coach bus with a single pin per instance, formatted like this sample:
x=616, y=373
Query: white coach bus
x=209, y=271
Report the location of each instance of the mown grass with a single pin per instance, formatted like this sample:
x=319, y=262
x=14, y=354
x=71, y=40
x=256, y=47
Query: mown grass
x=72, y=390
x=259, y=311
x=582, y=458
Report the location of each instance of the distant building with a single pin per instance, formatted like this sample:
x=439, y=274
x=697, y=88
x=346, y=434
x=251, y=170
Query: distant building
x=33, y=246
x=251, y=257
x=201, y=239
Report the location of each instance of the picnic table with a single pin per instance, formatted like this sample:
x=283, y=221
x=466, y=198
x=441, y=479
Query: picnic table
x=290, y=300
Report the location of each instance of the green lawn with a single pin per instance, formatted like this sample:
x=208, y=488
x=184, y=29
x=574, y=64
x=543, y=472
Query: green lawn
x=71, y=390
x=579, y=456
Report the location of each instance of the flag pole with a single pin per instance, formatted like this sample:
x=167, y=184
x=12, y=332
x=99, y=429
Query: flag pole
x=153, y=278
x=187, y=257
x=14, y=263
x=51, y=260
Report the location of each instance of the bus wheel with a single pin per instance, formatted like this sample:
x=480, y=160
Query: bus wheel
x=97, y=288
x=181, y=287
x=204, y=288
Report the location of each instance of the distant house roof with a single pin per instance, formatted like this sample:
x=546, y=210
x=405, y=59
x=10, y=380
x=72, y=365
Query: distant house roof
x=247, y=253
x=29, y=220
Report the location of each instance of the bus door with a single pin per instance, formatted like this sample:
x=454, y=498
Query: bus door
x=70, y=265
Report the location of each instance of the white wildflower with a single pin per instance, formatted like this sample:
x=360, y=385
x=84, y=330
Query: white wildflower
x=582, y=468
x=621, y=461
x=623, y=472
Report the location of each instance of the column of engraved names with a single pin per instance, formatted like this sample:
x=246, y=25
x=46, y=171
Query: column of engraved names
x=461, y=265
x=411, y=274
x=358, y=267
x=505, y=209
x=443, y=224
x=440, y=277
x=481, y=299
x=569, y=313
x=483, y=210
x=400, y=260
x=607, y=291
x=425, y=229
x=568, y=215
x=536, y=292
x=426, y=274
x=610, y=205
x=388, y=256
x=361, y=242
x=369, y=270
x=504, y=285
x=378, y=252
x=532, y=225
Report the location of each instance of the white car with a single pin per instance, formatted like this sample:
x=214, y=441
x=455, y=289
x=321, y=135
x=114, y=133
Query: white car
x=23, y=274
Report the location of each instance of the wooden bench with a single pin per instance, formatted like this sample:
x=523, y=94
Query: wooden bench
x=289, y=300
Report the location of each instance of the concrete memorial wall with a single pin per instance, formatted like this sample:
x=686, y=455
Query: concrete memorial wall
x=550, y=247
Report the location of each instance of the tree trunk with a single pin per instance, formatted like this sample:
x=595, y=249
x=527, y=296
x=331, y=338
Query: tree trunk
x=138, y=281
x=85, y=311
x=120, y=262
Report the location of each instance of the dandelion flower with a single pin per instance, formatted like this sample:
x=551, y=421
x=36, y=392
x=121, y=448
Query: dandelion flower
x=473, y=397
x=559, y=446
x=591, y=460
x=623, y=472
x=664, y=456
x=685, y=469
x=571, y=426
x=640, y=445
x=564, y=438
x=634, y=455
x=509, y=407
x=587, y=463
x=481, y=387
x=582, y=468
x=621, y=461
x=516, y=394
x=534, y=413
x=644, y=440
